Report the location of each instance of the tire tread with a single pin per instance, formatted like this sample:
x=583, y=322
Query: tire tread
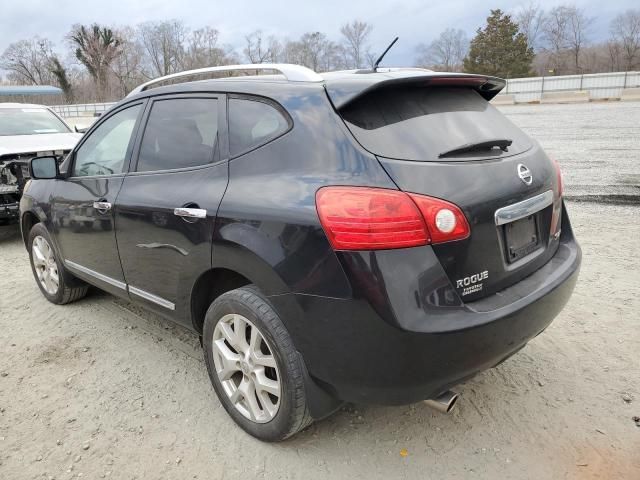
x=253, y=299
x=66, y=293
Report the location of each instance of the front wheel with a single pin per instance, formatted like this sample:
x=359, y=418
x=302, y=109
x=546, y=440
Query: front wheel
x=48, y=269
x=255, y=369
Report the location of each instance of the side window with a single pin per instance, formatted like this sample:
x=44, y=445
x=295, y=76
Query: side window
x=105, y=151
x=180, y=132
x=253, y=123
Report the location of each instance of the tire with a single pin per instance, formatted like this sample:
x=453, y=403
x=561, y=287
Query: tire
x=68, y=288
x=270, y=423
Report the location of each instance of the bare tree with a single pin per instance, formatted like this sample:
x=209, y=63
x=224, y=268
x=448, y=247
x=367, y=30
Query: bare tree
x=204, y=49
x=370, y=59
x=29, y=61
x=530, y=19
x=614, y=54
x=276, y=49
x=97, y=48
x=565, y=30
x=625, y=32
x=446, y=52
x=163, y=43
x=555, y=35
x=128, y=66
x=311, y=49
x=579, y=25
x=355, y=36
x=256, y=50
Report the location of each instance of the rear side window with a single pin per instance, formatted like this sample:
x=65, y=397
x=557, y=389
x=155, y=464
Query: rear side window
x=180, y=133
x=420, y=123
x=253, y=123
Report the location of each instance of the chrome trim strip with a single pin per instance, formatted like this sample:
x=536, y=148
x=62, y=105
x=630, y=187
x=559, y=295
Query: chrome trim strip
x=104, y=278
x=152, y=298
x=523, y=209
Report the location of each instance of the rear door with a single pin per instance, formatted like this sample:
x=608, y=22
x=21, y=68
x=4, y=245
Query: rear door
x=166, y=209
x=448, y=142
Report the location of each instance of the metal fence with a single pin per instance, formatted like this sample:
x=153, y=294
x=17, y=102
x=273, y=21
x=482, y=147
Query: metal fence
x=599, y=85
x=82, y=109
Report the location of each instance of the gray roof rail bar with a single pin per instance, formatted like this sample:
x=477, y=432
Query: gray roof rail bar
x=293, y=73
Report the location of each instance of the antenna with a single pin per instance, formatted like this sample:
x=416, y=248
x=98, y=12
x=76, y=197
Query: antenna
x=375, y=65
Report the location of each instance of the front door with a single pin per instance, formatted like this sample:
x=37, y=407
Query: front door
x=165, y=212
x=82, y=205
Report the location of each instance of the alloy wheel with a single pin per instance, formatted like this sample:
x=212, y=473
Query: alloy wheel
x=44, y=262
x=246, y=368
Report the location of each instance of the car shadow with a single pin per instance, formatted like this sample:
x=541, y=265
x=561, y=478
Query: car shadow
x=9, y=232
x=482, y=398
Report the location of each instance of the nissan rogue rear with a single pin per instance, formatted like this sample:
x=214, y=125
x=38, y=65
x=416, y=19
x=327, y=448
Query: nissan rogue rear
x=374, y=236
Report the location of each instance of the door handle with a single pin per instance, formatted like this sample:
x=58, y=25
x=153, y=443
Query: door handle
x=102, y=207
x=190, y=212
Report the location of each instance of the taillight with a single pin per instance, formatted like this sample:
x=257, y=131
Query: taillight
x=559, y=177
x=362, y=218
x=557, y=204
x=445, y=221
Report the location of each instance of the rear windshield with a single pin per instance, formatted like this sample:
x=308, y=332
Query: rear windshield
x=29, y=121
x=420, y=123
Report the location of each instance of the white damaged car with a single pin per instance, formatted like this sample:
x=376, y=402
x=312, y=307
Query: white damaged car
x=27, y=131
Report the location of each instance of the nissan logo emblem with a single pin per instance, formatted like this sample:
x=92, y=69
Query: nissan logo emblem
x=525, y=174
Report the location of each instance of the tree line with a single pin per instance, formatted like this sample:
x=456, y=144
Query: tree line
x=534, y=41
x=103, y=63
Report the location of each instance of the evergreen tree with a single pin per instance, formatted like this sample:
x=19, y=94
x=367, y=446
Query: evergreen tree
x=58, y=70
x=499, y=49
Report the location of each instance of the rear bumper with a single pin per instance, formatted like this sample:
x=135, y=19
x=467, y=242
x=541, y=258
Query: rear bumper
x=405, y=336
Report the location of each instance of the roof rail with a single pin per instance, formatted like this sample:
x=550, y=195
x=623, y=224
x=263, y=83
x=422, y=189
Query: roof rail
x=293, y=73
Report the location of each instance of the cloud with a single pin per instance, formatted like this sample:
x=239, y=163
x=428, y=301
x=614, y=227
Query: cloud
x=414, y=21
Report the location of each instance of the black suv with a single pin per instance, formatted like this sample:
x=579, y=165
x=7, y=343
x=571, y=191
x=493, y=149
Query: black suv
x=370, y=236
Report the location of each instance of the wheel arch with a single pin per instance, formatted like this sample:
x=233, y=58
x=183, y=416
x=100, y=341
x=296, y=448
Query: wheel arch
x=233, y=267
x=27, y=221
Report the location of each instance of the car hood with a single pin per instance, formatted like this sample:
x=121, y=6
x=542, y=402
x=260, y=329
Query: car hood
x=38, y=143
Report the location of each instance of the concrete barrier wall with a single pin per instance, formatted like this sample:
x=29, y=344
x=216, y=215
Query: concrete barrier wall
x=566, y=97
x=630, y=94
x=504, y=100
x=600, y=86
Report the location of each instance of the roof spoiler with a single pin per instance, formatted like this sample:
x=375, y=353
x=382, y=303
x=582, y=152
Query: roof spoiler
x=344, y=90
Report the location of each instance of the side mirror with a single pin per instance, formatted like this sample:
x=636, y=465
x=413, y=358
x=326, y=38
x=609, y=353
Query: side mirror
x=79, y=129
x=44, y=168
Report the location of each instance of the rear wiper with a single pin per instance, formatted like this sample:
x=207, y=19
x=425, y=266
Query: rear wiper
x=477, y=147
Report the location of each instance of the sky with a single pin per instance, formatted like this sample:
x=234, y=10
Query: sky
x=414, y=21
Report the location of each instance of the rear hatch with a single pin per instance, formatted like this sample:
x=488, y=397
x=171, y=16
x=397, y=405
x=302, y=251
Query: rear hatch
x=443, y=139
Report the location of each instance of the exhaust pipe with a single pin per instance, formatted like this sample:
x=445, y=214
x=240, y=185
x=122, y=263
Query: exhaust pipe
x=444, y=402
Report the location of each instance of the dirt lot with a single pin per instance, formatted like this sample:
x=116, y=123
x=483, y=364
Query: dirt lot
x=597, y=145
x=101, y=389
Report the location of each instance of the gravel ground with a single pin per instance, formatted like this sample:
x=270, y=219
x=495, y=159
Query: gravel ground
x=596, y=144
x=100, y=388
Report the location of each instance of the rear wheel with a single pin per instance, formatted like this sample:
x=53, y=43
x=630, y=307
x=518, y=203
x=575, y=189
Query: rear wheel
x=55, y=284
x=253, y=365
